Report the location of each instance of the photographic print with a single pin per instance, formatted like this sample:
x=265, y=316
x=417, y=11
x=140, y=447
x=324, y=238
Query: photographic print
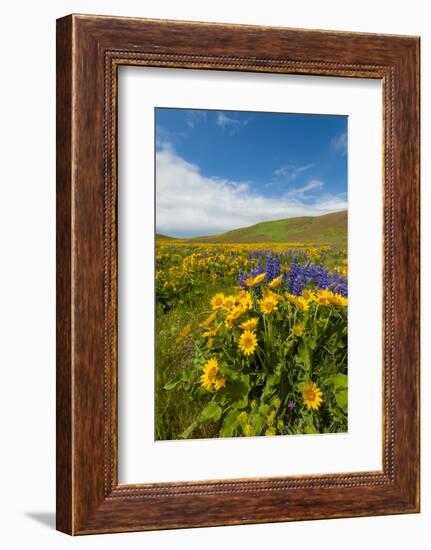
x=251, y=274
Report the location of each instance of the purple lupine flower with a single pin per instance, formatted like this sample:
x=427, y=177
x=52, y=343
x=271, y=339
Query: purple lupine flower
x=322, y=278
x=291, y=405
x=298, y=284
x=293, y=272
x=272, y=268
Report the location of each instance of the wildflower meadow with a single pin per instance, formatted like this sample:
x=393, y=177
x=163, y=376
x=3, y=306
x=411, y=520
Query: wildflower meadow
x=251, y=339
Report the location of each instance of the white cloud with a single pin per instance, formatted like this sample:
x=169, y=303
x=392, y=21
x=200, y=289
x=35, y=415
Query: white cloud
x=190, y=204
x=195, y=116
x=339, y=143
x=228, y=123
x=301, y=192
x=290, y=172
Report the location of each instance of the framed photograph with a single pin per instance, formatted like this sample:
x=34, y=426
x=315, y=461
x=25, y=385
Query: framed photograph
x=237, y=274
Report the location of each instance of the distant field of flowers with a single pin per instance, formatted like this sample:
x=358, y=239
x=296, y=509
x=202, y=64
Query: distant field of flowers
x=251, y=339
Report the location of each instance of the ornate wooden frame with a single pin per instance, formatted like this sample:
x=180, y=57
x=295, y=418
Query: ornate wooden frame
x=89, y=51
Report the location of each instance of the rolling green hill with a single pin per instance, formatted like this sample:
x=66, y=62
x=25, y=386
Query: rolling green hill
x=326, y=229
x=160, y=236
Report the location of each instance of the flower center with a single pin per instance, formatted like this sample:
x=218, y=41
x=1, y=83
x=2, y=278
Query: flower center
x=310, y=395
x=212, y=373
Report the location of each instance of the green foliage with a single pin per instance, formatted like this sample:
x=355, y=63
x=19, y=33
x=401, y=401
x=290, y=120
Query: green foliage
x=262, y=393
x=326, y=229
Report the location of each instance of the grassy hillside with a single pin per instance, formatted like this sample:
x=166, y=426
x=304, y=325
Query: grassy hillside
x=160, y=236
x=327, y=229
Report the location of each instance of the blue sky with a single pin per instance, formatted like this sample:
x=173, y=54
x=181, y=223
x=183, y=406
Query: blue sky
x=219, y=170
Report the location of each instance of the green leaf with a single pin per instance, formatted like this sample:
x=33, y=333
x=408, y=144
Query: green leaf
x=305, y=356
x=212, y=411
x=230, y=423
x=339, y=380
x=171, y=385
x=341, y=399
x=258, y=423
x=309, y=427
x=236, y=393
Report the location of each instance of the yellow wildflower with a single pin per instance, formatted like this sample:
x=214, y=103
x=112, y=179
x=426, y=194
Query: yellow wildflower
x=268, y=305
x=229, y=302
x=217, y=300
x=184, y=333
x=270, y=418
x=210, y=373
x=298, y=330
x=247, y=342
x=208, y=320
x=338, y=300
x=211, y=332
x=248, y=430
x=275, y=283
x=259, y=279
x=242, y=417
x=219, y=382
x=312, y=396
x=251, y=324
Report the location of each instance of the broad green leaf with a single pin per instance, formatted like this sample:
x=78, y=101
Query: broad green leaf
x=305, y=356
x=309, y=427
x=171, y=385
x=236, y=392
x=258, y=423
x=339, y=380
x=212, y=411
x=230, y=423
x=341, y=399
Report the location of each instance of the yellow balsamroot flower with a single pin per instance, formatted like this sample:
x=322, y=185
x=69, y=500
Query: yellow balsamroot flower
x=291, y=297
x=219, y=383
x=251, y=324
x=208, y=320
x=248, y=430
x=308, y=294
x=275, y=283
x=338, y=300
x=211, y=332
x=247, y=342
x=233, y=315
x=242, y=417
x=270, y=418
x=210, y=343
x=298, y=330
x=270, y=431
x=268, y=293
x=229, y=302
x=217, y=300
x=184, y=333
x=323, y=297
x=312, y=396
x=322, y=301
x=280, y=424
x=302, y=304
x=210, y=373
x=249, y=282
x=268, y=305
x=259, y=279
x=245, y=300
x=276, y=402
